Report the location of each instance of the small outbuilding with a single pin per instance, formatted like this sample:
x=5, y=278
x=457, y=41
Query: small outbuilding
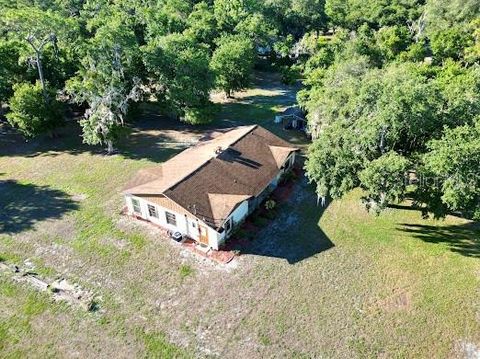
x=293, y=118
x=205, y=191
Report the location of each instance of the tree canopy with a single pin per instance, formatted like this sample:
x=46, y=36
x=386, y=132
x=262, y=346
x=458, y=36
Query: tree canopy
x=232, y=63
x=388, y=95
x=391, y=87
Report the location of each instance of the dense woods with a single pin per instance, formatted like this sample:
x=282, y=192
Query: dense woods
x=391, y=88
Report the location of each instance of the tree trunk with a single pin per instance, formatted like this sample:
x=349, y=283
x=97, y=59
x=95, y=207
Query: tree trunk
x=382, y=140
x=110, y=148
x=40, y=74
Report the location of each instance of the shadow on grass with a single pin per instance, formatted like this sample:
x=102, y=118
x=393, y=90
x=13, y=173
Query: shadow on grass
x=152, y=146
x=295, y=233
x=23, y=205
x=462, y=239
x=68, y=140
x=144, y=141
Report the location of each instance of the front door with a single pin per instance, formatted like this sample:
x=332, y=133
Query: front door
x=202, y=234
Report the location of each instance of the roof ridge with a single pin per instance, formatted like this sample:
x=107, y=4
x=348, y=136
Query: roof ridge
x=252, y=127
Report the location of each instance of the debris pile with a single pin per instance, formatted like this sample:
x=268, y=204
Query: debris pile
x=60, y=289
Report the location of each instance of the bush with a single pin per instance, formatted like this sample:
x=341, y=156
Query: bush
x=240, y=233
x=199, y=115
x=31, y=112
x=271, y=214
x=289, y=176
x=270, y=204
x=259, y=221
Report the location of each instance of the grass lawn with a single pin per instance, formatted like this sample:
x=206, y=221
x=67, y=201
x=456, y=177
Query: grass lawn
x=337, y=282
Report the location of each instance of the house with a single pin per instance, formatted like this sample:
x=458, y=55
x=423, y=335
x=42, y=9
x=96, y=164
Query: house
x=206, y=190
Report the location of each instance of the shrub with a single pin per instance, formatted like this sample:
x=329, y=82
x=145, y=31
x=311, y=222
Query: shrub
x=270, y=204
x=289, y=176
x=33, y=113
x=240, y=233
x=270, y=214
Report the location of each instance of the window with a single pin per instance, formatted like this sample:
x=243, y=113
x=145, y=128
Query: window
x=228, y=225
x=152, y=211
x=171, y=218
x=136, y=205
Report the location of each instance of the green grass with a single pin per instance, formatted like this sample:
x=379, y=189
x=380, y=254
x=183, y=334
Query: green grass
x=185, y=271
x=157, y=346
x=337, y=282
x=29, y=306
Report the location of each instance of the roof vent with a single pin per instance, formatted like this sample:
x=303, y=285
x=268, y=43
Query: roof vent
x=218, y=150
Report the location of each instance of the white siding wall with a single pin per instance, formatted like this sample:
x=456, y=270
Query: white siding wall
x=240, y=212
x=186, y=225
x=162, y=219
x=238, y=215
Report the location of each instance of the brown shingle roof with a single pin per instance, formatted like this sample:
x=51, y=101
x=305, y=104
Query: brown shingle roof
x=211, y=185
x=160, y=178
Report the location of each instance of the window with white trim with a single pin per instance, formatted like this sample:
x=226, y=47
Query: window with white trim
x=152, y=211
x=171, y=219
x=228, y=225
x=136, y=205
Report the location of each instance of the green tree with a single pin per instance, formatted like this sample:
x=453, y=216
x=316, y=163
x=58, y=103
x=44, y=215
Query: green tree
x=107, y=82
x=229, y=13
x=450, y=43
x=165, y=17
x=232, y=63
x=40, y=30
x=392, y=40
x=443, y=14
x=454, y=163
x=29, y=112
x=450, y=26
x=377, y=13
x=202, y=25
x=244, y=18
x=472, y=52
x=371, y=125
x=359, y=114
x=384, y=180
x=310, y=13
x=180, y=71
x=460, y=92
x=10, y=69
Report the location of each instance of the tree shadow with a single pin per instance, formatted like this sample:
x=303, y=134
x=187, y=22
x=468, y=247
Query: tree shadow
x=156, y=137
x=146, y=140
x=295, y=233
x=152, y=146
x=463, y=239
x=68, y=139
x=24, y=205
x=150, y=134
